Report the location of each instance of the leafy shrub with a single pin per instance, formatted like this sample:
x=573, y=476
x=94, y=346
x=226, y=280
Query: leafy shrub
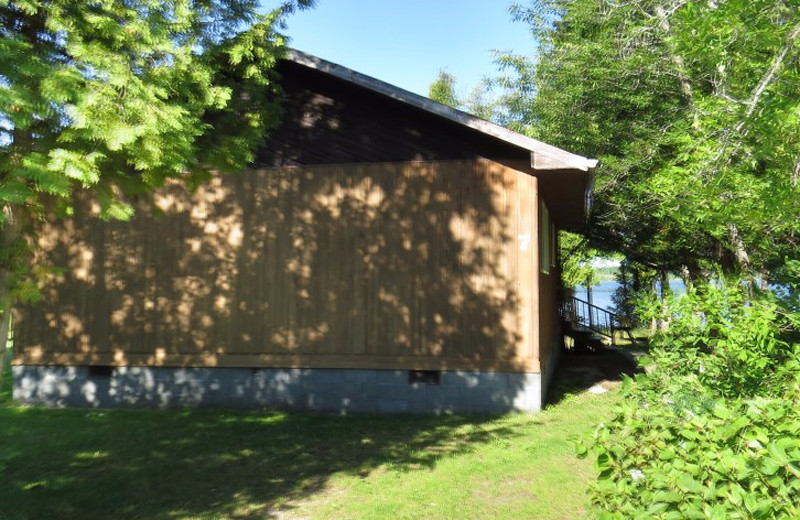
x=735, y=343
x=712, y=430
x=659, y=459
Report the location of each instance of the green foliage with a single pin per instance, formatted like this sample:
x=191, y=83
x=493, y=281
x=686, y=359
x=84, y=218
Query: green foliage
x=443, y=90
x=690, y=108
x=713, y=429
x=576, y=260
x=671, y=455
x=635, y=282
x=512, y=92
x=732, y=343
x=505, y=99
x=117, y=97
x=481, y=102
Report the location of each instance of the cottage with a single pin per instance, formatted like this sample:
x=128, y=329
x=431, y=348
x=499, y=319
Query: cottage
x=385, y=253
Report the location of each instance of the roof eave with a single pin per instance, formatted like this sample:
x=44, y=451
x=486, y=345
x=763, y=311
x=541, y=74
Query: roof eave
x=560, y=160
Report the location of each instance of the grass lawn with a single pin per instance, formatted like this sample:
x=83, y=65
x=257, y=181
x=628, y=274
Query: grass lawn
x=231, y=464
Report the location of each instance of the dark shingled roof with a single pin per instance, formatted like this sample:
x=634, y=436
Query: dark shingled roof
x=543, y=156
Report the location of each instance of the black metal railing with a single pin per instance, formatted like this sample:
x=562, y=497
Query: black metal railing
x=582, y=314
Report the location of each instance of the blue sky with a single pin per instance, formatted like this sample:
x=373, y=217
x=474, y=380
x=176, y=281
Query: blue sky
x=407, y=42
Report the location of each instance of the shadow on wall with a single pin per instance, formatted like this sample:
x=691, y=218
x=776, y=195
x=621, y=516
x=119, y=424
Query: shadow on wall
x=396, y=266
x=203, y=464
x=323, y=390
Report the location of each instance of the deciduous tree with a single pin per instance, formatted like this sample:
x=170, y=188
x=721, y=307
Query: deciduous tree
x=443, y=90
x=691, y=107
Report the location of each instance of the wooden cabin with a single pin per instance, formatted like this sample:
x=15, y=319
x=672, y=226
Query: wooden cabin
x=385, y=253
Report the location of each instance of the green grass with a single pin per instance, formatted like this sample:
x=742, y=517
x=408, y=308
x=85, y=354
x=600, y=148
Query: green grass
x=229, y=464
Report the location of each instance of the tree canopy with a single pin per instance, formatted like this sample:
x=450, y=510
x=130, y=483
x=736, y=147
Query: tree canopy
x=443, y=90
x=691, y=108
x=118, y=96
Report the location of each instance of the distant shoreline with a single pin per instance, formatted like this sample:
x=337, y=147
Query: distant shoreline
x=606, y=274
x=603, y=291
x=609, y=274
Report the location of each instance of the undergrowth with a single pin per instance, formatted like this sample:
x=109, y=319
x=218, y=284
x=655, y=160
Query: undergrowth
x=712, y=430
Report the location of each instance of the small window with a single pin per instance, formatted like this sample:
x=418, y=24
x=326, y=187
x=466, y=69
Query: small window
x=546, y=256
x=425, y=377
x=101, y=371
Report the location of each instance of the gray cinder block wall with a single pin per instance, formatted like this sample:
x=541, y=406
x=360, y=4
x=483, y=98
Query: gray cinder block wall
x=324, y=390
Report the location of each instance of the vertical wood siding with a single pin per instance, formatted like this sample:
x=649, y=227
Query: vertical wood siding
x=399, y=265
x=549, y=327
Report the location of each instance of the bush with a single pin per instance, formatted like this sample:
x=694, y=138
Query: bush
x=712, y=430
x=736, y=344
x=661, y=459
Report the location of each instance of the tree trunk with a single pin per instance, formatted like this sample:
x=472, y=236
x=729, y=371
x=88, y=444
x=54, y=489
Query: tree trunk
x=740, y=254
x=589, y=299
x=686, y=276
x=32, y=25
x=654, y=325
x=678, y=61
x=764, y=280
x=5, y=329
x=8, y=236
x=666, y=292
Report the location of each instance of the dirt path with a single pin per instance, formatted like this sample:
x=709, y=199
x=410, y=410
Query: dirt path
x=581, y=372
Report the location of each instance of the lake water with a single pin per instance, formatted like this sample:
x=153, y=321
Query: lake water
x=604, y=291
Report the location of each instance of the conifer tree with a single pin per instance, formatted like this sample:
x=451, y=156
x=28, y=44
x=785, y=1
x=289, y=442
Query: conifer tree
x=116, y=96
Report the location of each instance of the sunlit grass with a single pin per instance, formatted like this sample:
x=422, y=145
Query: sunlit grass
x=523, y=467
x=225, y=464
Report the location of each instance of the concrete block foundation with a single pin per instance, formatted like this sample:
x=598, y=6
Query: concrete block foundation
x=322, y=390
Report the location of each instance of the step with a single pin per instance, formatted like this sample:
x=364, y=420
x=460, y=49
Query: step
x=585, y=343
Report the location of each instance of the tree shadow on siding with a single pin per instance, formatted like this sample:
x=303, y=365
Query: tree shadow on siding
x=414, y=263
x=201, y=464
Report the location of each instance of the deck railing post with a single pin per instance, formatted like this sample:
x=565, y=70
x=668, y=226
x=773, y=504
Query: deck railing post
x=595, y=318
